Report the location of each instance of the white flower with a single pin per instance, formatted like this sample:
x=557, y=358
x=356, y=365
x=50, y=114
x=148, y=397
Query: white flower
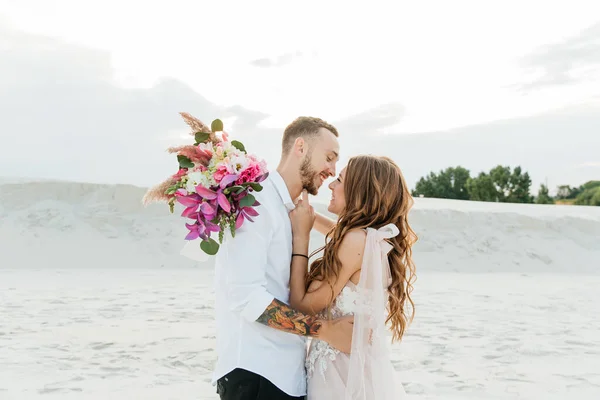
x=197, y=178
x=237, y=162
x=207, y=146
x=227, y=147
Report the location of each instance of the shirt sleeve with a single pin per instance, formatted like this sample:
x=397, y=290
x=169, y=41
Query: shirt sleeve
x=245, y=267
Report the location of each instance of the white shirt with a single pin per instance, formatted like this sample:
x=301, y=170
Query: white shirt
x=250, y=271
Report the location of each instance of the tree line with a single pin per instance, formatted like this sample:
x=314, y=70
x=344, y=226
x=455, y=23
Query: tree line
x=501, y=184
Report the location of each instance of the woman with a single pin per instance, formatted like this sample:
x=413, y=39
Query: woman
x=366, y=270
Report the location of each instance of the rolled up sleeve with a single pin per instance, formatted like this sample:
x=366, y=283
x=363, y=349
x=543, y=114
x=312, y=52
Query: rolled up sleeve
x=245, y=267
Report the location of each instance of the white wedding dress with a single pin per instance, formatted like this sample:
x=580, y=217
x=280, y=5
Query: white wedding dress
x=367, y=373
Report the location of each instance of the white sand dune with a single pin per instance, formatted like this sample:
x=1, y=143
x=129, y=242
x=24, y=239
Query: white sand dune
x=86, y=225
x=96, y=302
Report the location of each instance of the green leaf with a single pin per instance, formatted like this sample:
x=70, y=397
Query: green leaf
x=216, y=125
x=210, y=246
x=201, y=137
x=238, y=145
x=256, y=186
x=184, y=162
x=236, y=188
x=247, y=200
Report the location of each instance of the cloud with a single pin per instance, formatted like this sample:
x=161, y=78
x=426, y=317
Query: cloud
x=572, y=61
x=373, y=121
x=546, y=145
x=279, y=61
x=64, y=116
x=590, y=164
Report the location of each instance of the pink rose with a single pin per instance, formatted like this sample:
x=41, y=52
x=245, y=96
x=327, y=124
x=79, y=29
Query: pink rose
x=220, y=172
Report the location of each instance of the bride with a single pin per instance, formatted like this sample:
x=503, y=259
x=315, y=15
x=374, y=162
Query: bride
x=366, y=270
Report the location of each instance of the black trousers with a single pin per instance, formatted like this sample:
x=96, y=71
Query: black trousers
x=240, y=384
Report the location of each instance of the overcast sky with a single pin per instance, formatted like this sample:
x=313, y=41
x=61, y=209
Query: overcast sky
x=90, y=90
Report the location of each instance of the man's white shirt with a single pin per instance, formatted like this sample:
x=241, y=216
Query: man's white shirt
x=250, y=271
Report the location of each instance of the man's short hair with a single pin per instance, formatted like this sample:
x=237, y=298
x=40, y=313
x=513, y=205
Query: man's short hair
x=307, y=127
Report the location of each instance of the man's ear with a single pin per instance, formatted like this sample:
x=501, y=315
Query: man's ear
x=299, y=146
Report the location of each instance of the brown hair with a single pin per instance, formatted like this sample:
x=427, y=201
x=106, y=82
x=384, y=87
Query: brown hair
x=307, y=127
x=376, y=195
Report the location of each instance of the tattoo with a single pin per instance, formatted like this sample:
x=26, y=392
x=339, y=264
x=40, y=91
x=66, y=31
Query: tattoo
x=280, y=316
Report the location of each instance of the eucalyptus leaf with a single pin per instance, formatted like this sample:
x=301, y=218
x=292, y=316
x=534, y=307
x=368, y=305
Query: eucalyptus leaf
x=184, y=162
x=216, y=125
x=201, y=137
x=247, y=200
x=210, y=246
x=238, y=145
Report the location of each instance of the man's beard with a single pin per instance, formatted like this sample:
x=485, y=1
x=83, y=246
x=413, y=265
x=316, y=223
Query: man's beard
x=307, y=176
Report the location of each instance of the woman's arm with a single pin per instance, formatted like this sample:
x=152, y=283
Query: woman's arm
x=323, y=224
x=319, y=294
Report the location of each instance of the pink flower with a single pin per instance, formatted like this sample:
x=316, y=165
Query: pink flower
x=222, y=171
x=262, y=163
x=200, y=168
x=180, y=173
x=250, y=174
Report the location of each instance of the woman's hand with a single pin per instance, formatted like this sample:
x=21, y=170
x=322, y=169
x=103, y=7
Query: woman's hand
x=302, y=217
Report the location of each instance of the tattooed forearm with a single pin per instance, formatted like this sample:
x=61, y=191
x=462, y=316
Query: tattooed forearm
x=280, y=316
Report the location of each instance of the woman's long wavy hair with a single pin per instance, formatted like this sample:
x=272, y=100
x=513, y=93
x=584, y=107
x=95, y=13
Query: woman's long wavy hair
x=376, y=195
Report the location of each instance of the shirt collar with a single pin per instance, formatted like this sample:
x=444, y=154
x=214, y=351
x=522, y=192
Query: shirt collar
x=282, y=190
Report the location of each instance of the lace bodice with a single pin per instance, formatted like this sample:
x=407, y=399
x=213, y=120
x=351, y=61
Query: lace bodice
x=345, y=304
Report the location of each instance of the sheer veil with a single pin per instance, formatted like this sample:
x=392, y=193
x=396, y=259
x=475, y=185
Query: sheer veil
x=371, y=374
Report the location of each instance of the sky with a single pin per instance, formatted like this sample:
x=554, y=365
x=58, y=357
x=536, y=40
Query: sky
x=90, y=91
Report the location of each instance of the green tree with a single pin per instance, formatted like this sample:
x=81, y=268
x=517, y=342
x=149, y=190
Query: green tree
x=543, y=196
x=563, y=192
x=595, y=201
x=511, y=186
x=450, y=183
x=566, y=192
x=590, y=185
x=501, y=185
x=583, y=195
x=589, y=197
x=482, y=188
x=519, y=187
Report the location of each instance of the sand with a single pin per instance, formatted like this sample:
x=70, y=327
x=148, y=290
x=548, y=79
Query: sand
x=96, y=301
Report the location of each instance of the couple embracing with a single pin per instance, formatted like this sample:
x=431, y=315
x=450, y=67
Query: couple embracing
x=273, y=297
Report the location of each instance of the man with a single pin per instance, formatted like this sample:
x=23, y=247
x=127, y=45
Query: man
x=261, y=341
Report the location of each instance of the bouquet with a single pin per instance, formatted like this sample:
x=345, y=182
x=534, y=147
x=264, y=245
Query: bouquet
x=214, y=183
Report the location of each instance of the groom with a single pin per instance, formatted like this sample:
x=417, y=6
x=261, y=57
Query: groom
x=261, y=341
